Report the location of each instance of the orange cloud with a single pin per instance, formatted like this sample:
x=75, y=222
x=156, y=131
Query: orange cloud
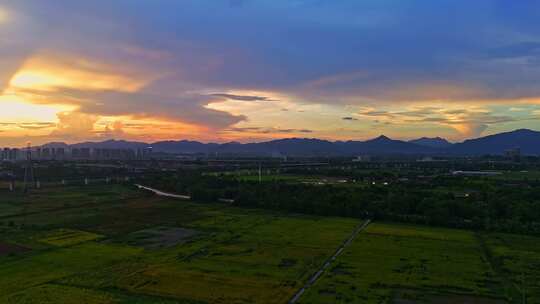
x=48, y=72
x=75, y=125
x=468, y=121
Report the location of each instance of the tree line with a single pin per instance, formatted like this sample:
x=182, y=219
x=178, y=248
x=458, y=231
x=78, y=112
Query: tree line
x=472, y=203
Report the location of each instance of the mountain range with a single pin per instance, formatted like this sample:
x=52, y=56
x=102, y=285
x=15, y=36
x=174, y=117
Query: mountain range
x=434, y=142
x=528, y=141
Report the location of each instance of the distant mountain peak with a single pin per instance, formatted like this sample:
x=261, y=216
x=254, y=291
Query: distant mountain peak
x=382, y=138
x=433, y=142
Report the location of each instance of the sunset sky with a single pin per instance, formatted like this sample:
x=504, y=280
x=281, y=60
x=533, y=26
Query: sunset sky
x=252, y=70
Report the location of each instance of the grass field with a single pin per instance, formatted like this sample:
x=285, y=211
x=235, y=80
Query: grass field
x=517, y=259
x=409, y=264
x=114, y=244
x=95, y=249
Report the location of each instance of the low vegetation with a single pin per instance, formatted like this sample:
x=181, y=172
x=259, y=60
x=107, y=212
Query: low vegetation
x=113, y=243
x=395, y=263
x=118, y=248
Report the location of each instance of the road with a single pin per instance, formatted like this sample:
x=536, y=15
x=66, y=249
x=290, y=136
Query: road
x=161, y=193
x=328, y=262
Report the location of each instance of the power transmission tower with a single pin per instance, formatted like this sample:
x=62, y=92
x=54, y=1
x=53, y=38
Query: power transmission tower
x=28, y=170
x=260, y=173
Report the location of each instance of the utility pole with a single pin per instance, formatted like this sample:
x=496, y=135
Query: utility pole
x=28, y=170
x=260, y=173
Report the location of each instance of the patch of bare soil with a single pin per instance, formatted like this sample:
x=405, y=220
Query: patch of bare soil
x=161, y=237
x=7, y=249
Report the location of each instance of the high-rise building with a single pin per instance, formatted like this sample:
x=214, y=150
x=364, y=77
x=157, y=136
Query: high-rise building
x=5, y=154
x=60, y=154
x=46, y=153
x=13, y=154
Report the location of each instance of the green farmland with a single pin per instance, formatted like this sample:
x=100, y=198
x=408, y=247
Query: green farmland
x=404, y=264
x=115, y=244
x=90, y=245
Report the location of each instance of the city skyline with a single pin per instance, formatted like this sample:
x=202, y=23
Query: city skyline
x=218, y=71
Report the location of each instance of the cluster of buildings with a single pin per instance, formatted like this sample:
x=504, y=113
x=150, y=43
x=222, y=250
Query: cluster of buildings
x=8, y=154
x=46, y=153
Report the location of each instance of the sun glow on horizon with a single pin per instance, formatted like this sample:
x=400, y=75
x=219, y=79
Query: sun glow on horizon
x=18, y=109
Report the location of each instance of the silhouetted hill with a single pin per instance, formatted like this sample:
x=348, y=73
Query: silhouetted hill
x=432, y=142
x=290, y=146
x=55, y=145
x=183, y=146
x=318, y=147
x=383, y=145
x=111, y=144
x=527, y=140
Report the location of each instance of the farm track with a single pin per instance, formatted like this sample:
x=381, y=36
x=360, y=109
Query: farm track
x=317, y=275
x=162, y=193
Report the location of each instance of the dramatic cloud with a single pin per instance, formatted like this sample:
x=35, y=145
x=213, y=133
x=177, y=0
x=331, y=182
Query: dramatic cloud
x=469, y=122
x=189, y=108
x=213, y=67
x=74, y=125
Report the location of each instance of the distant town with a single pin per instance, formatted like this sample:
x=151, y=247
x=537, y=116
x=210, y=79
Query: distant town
x=17, y=154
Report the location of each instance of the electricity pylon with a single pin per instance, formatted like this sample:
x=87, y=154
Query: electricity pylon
x=29, y=180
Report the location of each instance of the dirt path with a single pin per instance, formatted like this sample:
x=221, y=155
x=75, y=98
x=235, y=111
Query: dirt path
x=315, y=277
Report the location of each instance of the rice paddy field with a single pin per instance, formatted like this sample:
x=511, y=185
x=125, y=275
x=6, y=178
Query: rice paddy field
x=116, y=244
